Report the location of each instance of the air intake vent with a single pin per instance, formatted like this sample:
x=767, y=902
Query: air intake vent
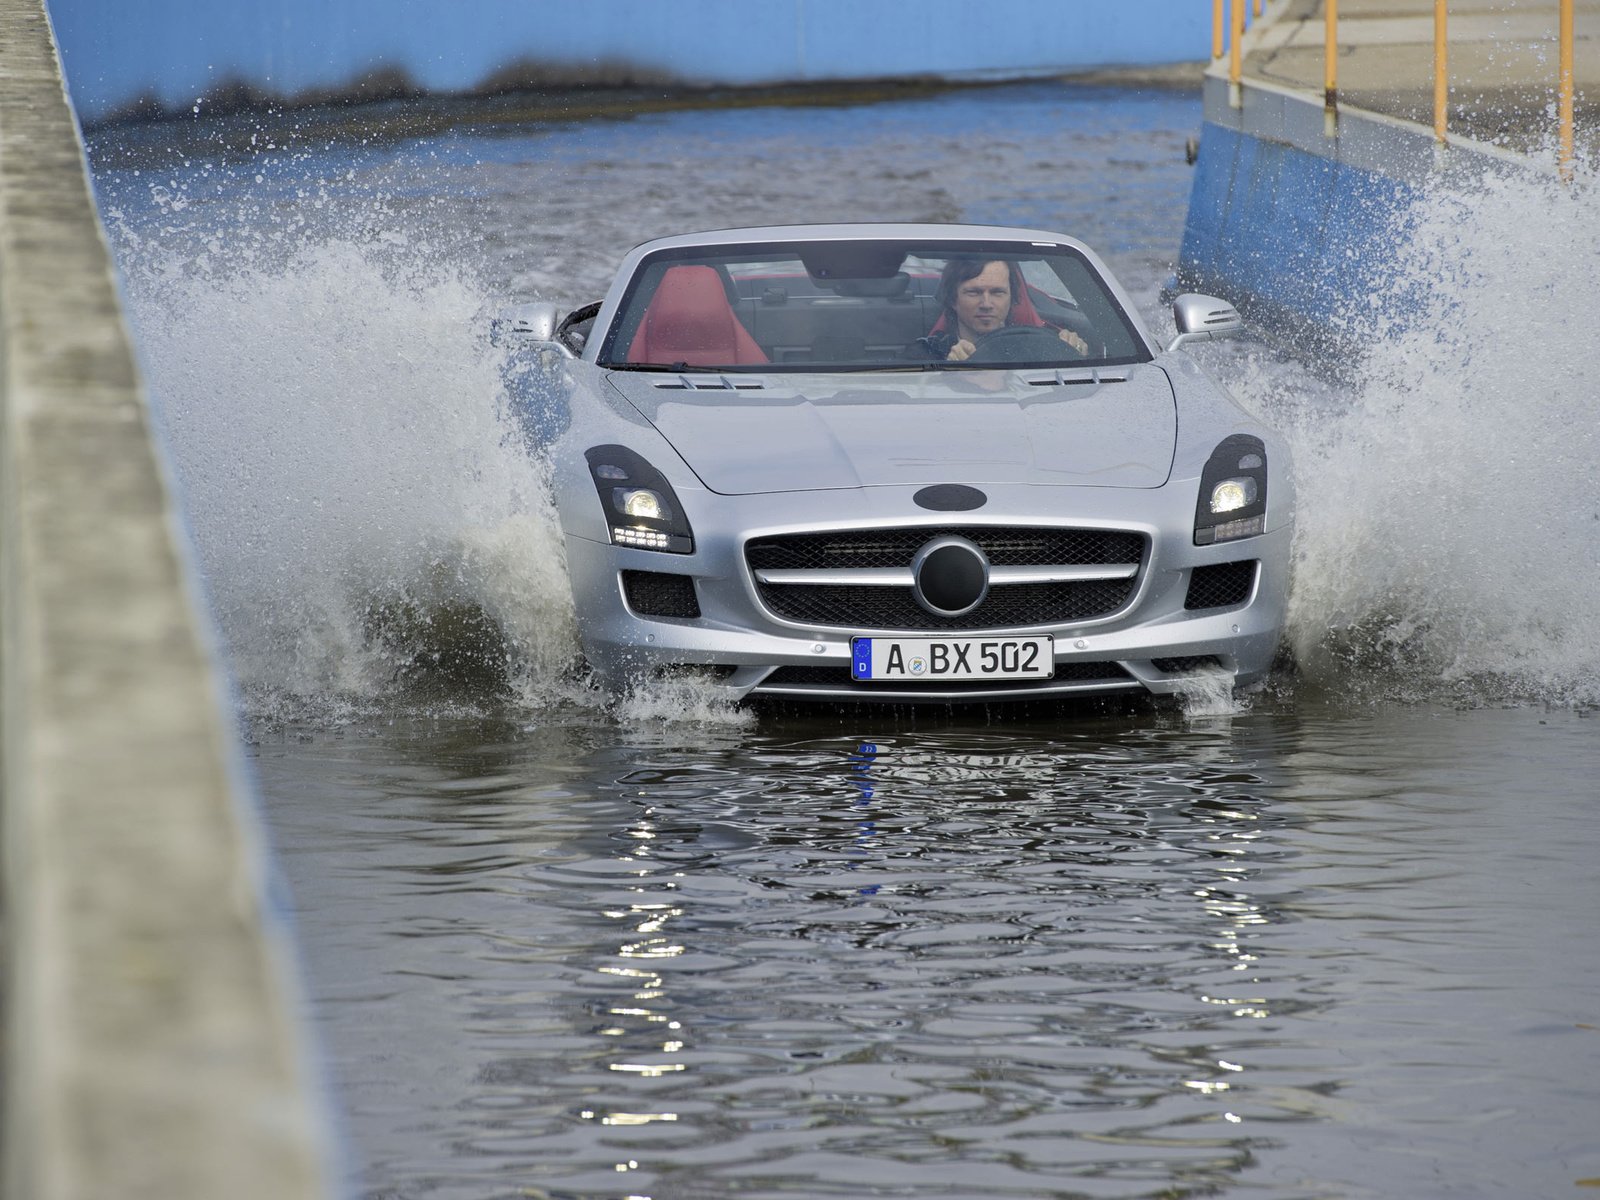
x=839, y=679
x=1187, y=665
x=659, y=594
x=1221, y=586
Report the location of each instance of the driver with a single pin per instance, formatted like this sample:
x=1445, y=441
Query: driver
x=979, y=297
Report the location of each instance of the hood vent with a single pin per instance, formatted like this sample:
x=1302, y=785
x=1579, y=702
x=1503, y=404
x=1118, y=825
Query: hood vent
x=1093, y=376
x=709, y=383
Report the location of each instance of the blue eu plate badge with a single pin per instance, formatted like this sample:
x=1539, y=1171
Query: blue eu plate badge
x=861, y=658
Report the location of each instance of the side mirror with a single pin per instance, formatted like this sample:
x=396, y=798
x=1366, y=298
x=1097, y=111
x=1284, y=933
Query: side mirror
x=1203, y=319
x=528, y=324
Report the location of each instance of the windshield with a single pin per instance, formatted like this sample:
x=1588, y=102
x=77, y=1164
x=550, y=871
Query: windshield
x=863, y=305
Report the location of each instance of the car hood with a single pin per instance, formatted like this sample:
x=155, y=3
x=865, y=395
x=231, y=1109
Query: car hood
x=749, y=434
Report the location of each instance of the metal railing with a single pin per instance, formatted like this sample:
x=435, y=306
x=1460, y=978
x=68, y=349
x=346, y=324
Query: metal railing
x=1330, y=68
x=1564, y=91
x=1231, y=44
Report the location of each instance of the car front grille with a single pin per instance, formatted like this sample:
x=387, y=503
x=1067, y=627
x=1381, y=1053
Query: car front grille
x=1005, y=546
x=861, y=607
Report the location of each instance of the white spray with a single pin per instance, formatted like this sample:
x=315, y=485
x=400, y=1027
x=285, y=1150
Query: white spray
x=1449, y=523
x=354, y=489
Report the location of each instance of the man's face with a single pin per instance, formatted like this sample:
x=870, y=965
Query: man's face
x=983, y=301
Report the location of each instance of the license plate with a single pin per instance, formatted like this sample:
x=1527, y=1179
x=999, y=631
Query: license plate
x=876, y=659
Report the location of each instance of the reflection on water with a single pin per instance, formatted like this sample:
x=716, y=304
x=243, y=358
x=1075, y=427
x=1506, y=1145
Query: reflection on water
x=1163, y=956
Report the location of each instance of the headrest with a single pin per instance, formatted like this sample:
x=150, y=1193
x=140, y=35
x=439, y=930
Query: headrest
x=690, y=321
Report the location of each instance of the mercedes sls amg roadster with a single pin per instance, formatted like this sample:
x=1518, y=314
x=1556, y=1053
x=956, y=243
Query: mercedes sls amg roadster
x=903, y=463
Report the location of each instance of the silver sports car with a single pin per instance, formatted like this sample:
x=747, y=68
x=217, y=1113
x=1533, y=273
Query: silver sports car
x=906, y=463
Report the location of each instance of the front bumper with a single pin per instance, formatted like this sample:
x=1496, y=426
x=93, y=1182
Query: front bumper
x=1152, y=644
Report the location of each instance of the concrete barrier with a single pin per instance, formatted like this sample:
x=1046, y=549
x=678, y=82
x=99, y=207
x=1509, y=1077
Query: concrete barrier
x=150, y=1048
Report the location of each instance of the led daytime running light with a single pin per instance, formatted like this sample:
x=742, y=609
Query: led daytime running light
x=645, y=539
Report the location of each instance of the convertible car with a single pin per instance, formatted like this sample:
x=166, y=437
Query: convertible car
x=903, y=463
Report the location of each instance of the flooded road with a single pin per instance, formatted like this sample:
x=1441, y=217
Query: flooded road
x=1331, y=941
x=1293, y=953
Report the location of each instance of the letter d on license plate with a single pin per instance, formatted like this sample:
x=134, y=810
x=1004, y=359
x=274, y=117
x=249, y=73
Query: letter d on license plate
x=883, y=660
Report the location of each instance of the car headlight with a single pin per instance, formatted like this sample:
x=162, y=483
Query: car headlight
x=641, y=509
x=1233, y=492
x=641, y=502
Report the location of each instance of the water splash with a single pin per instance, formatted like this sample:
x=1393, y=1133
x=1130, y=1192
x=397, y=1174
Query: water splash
x=1207, y=694
x=1449, y=531
x=683, y=700
x=364, y=513
x=370, y=522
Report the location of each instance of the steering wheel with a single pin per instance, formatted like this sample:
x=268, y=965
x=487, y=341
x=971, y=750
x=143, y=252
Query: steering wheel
x=1023, y=343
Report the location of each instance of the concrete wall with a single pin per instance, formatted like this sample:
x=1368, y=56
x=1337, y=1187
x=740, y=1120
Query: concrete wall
x=175, y=51
x=150, y=1049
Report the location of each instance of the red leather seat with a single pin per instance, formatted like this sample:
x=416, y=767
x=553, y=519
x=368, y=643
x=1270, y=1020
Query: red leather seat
x=690, y=321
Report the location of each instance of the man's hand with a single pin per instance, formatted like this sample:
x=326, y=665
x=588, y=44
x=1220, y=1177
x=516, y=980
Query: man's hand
x=1076, y=342
x=961, y=351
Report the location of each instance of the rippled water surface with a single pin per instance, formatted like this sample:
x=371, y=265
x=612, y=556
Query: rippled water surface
x=1334, y=941
x=1292, y=954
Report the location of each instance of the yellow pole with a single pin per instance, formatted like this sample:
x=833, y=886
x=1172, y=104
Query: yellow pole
x=1330, y=69
x=1258, y=10
x=1565, y=155
x=1235, y=64
x=1441, y=70
x=1216, y=29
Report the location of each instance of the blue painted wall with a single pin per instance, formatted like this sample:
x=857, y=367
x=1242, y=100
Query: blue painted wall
x=116, y=51
x=1300, y=226
x=1297, y=237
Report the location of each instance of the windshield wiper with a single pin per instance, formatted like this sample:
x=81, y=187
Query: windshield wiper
x=878, y=368
x=663, y=368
